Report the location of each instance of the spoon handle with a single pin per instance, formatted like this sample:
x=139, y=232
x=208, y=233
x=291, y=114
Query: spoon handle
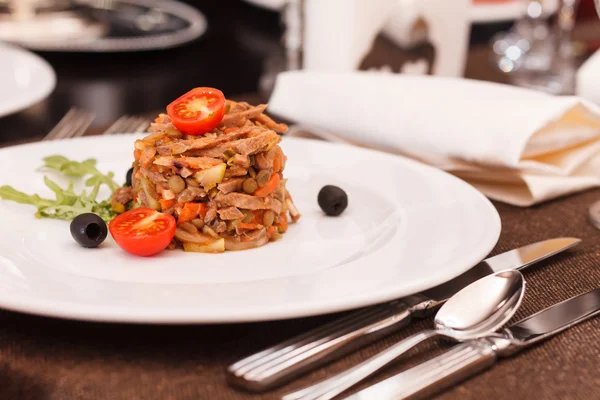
x=337, y=384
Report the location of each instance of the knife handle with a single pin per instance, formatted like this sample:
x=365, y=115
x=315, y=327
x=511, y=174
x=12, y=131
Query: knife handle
x=430, y=377
x=287, y=360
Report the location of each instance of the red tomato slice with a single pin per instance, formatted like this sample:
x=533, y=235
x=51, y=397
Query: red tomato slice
x=198, y=111
x=143, y=231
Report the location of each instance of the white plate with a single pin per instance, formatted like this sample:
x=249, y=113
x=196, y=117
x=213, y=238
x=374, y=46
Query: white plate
x=79, y=36
x=25, y=79
x=408, y=227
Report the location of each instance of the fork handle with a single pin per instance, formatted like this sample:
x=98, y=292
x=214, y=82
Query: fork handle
x=425, y=380
x=285, y=361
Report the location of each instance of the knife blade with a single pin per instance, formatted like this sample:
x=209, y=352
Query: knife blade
x=285, y=361
x=467, y=359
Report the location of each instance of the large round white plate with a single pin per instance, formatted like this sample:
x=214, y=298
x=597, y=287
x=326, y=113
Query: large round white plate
x=408, y=227
x=79, y=35
x=25, y=79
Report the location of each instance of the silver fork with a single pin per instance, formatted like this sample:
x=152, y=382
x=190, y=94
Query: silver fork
x=73, y=124
x=128, y=124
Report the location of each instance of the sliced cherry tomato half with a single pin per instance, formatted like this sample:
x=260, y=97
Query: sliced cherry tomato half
x=143, y=231
x=198, y=111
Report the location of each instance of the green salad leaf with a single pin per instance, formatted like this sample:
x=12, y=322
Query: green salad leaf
x=68, y=204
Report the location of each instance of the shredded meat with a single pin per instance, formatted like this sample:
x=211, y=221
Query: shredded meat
x=262, y=162
x=235, y=170
x=211, y=214
x=156, y=177
x=123, y=195
x=231, y=185
x=269, y=123
x=147, y=157
x=219, y=226
x=248, y=202
x=232, y=119
x=191, y=194
x=257, y=143
x=230, y=213
x=182, y=146
x=191, y=162
x=241, y=161
x=235, y=106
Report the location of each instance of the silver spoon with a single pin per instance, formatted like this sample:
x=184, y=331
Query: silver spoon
x=476, y=311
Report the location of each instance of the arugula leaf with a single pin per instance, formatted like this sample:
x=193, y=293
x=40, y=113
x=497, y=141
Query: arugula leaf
x=78, y=169
x=67, y=203
x=10, y=193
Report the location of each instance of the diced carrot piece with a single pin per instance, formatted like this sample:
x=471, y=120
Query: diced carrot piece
x=271, y=185
x=189, y=212
x=166, y=204
x=284, y=222
x=258, y=216
x=249, y=226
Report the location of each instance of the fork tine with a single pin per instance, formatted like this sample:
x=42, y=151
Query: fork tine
x=62, y=124
x=116, y=125
x=131, y=123
x=127, y=124
x=143, y=124
x=139, y=125
x=72, y=128
x=65, y=131
x=88, y=119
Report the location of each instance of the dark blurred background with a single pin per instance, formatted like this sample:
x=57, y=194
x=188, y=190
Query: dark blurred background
x=241, y=41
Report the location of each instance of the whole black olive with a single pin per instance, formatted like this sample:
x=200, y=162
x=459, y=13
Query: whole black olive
x=89, y=230
x=332, y=200
x=128, y=177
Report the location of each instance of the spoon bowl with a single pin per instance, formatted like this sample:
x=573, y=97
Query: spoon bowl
x=482, y=307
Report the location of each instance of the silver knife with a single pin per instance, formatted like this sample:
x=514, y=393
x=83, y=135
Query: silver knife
x=287, y=360
x=467, y=359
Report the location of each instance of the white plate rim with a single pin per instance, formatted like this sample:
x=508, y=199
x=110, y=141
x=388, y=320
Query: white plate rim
x=41, y=92
x=169, y=316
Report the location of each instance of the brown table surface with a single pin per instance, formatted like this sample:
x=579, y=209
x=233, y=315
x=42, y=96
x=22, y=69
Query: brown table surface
x=44, y=358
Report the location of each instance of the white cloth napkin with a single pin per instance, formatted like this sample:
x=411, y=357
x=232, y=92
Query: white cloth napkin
x=518, y=146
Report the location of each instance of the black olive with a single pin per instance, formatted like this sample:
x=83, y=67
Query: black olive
x=129, y=176
x=89, y=230
x=332, y=200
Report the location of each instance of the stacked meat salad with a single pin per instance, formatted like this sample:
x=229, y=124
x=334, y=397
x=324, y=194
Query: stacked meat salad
x=217, y=167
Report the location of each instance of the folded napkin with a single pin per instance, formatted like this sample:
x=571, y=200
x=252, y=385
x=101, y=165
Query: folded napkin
x=516, y=145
